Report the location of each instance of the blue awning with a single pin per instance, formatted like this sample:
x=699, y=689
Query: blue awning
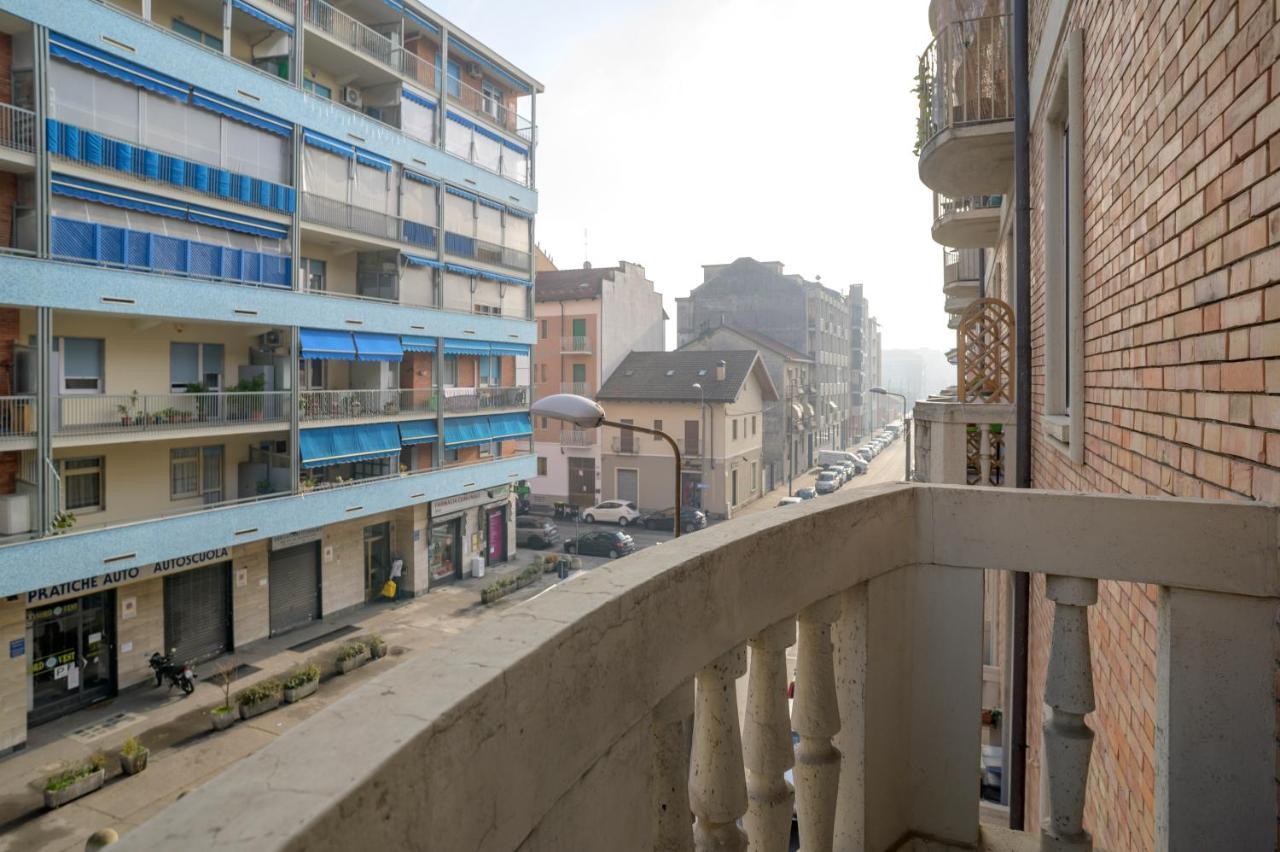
x=453, y=116
x=524, y=152
x=486, y=132
x=466, y=431
x=243, y=224
x=377, y=347
x=487, y=203
x=372, y=160
x=418, y=432
x=414, y=343
x=419, y=260
x=113, y=66
x=521, y=213
x=461, y=193
x=460, y=270
x=324, y=343
x=411, y=95
x=261, y=16
x=454, y=346
x=509, y=349
x=241, y=113
x=101, y=193
x=504, y=426
x=395, y=4
x=421, y=21
x=328, y=143
x=466, y=51
x=414, y=176
x=342, y=444
x=505, y=279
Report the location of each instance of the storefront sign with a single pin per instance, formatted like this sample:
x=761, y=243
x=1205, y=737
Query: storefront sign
x=280, y=542
x=17, y=647
x=126, y=575
x=466, y=501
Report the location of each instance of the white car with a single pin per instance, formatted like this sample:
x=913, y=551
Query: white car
x=790, y=501
x=612, y=512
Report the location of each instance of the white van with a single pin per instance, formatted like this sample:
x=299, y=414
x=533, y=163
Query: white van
x=826, y=457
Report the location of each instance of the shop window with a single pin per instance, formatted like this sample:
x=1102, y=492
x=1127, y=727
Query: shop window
x=82, y=365
x=198, y=36
x=82, y=484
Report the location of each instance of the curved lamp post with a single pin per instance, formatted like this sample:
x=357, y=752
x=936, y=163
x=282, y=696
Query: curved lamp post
x=587, y=414
x=905, y=427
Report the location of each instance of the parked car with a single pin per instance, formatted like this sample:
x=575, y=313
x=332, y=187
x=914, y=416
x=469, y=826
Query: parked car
x=601, y=543
x=806, y=493
x=690, y=519
x=850, y=470
x=837, y=470
x=828, y=482
x=536, y=532
x=860, y=465
x=790, y=501
x=612, y=512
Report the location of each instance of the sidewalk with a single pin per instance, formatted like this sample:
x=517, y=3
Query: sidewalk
x=184, y=751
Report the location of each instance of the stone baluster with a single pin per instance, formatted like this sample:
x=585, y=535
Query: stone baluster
x=849, y=638
x=816, y=718
x=767, y=740
x=1068, y=696
x=717, y=786
x=673, y=824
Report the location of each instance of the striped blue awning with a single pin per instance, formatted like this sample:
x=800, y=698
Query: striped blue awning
x=254, y=12
x=343, y=444
x=420, y=100
x=418, y=432
x=326, y=343
x=523, y=214
x=419, y=260
x=328, y=143
x=414, y=176
x=454, y=346
x=466, y=431
x=415, y=343
x=509, y=349
x=487, y=203
x=372, y=160
x=377, y=347
x=102, y=62
x=465, y=122
x=504, y=426
x=241, y=113
x=461, y=193
x=522, y=151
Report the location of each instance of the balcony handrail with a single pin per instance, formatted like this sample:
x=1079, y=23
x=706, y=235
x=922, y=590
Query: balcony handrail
x=578, y=437
x=17, y=128
x=488, y=398
x=364, y=403
x=897, y=703
x=513, y=122
x=579, y=388
x=17, y=415
x=330, y=212
x=354, y=34
x=484, y=251
x=965, y=76
x=96, y=414
x=946, y=206
x=575, y=343
x=961, y=265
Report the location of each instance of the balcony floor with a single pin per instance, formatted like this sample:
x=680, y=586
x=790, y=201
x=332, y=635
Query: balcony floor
x=969, y=229
x=971, y=160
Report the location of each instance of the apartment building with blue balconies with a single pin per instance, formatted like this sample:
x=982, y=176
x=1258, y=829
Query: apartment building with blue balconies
x=265, y=314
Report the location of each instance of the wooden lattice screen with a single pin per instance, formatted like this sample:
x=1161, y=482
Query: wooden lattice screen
x=984, y=349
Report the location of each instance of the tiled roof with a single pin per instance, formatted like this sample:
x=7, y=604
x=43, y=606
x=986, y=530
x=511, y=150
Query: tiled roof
x=670, y=376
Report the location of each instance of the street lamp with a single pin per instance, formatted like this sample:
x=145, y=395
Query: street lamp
x=905, y=426
x=702, y=437
x=587, y=414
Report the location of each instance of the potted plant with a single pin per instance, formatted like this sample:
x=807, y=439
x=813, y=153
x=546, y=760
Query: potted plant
x=62, y=522
x=224, y=715
x=255, y=700
x=307, y=483
x=75, y=780
x=302, y=682
x=352, y=656
x=377, y=646
x=264, y=486
x=126, y=411
x=133, y=756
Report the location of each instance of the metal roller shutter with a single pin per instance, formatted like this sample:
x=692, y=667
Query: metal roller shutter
x=294, y=587
x=197, y=613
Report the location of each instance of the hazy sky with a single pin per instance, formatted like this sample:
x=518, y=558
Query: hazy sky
x=684, y=132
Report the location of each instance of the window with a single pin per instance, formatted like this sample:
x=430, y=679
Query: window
x=82, y=484
x=544, y=423
x=544, y=371
x=451, y=370
x=196, y=472
x=735, y=428
x=316, y=273
x=580, y=374
x=542, y=330
x=450, y=455
x=312, y=373
x=542, y=461
x=579, y=327
x=657, y=425
x=486, y=450
x=317, y=89
x=82, y=365
x=455, y=83
x=491, y=100
x=753, y=424
x=193, y=366
x=198, y=36
x=490, y=371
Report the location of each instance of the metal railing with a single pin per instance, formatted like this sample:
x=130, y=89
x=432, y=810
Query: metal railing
x=946, y=206
x=345, y=29
x=578, y=438
x=460, y=245
x=91, y=414
x=17, y=415
x=579, y=388
x=17, y=128
x=490, y=110
x=286, y=5
x=462, y=400
x=961, y=265
x=338, y=214
x=364, y=404
x=419, y=71
x=965, y=76
x=575, y=343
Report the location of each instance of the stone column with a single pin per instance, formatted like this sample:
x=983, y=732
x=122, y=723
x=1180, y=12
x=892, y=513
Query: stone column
x=768, y=750
x=816, y=718
x=717, y=787
x=672, y=822
x=849, y=637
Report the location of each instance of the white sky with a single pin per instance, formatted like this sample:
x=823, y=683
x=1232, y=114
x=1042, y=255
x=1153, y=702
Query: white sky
x=684, y=132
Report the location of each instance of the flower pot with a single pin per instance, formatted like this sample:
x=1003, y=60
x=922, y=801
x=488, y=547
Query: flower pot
x=354, y=663
x=378, y=650
x=248, y=711
x=81, y=787
x=222, y=721
x=135, y=763
x=308, y=688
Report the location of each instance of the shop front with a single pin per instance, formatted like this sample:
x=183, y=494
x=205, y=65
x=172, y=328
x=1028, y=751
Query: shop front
x=293, y=580
x=197, y=613
x=69, y=652
x=476, y=524
x=444, y=551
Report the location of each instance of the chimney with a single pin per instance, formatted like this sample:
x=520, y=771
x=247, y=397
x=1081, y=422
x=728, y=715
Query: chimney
x=720, y=371
x=586, y=264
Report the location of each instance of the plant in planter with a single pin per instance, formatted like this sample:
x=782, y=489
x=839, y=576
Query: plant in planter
x=377, y=646
x=75, y=780
x=126, y=410
x=302, y=682
x=133, y=756
x=62, y=522
x=352, y=656
x=258, y=699
x=264, y=486
x=224, y=715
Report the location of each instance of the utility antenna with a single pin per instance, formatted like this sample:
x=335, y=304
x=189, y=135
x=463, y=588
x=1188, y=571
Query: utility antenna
x=586, y=254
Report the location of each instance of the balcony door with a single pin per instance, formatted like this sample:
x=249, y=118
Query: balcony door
x=692, y=433
x=626, y=439
x=194, y=365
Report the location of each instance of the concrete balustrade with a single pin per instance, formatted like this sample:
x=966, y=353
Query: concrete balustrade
x=563, y=723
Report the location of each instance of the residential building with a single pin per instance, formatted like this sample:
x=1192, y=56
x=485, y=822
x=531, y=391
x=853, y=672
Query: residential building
x=877, y=410
x=588, y=320
x=713, y=403
x=859, y=389
x=788, y=433
x=805, y=315
x=265, y=325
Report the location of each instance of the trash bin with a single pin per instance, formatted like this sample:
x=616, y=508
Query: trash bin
x=477, y=566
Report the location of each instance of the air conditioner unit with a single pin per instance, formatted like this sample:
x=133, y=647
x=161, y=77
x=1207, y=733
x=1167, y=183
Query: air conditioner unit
x=473, y=69
x=271, y=339
x=351, y=96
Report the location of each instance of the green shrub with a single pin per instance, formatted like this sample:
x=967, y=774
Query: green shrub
x=263, y=690
x=73, y=772
x=132, y=747
x=302, y=676
x=351, y=650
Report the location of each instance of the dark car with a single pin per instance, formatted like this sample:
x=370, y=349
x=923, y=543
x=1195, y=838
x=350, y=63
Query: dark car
x=690, y=519
x=535, y=532
x=806, y=493
x=610, y=544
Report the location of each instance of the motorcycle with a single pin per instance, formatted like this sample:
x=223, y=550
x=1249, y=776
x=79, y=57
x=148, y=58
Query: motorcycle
x=179, y=674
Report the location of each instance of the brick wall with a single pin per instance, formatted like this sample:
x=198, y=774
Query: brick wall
x=1182, y=325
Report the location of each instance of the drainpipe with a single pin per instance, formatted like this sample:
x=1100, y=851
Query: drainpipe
x=1017, y=770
